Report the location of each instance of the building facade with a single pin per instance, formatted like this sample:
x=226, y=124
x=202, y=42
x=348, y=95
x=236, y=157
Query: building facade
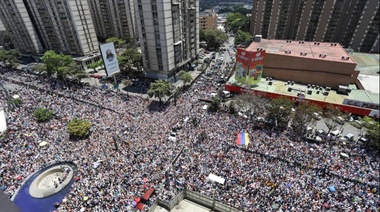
x=113, y=18
x=63, y=26
x=352, y=23
x=208, y=21
x=168, y=34
x=322, y=64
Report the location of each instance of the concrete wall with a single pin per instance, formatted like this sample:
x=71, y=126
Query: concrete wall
x=309, y=70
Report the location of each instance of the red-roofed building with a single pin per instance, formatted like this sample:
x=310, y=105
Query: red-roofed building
x=318, y=63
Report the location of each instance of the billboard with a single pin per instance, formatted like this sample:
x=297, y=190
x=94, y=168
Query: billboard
x=249, y=66
x=109, y=58
x=256, y=64
x=241, y=67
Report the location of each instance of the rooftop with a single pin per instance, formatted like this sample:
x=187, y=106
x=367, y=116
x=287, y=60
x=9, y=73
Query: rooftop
x=308, y=49
x=368, y=65
x=281, y=87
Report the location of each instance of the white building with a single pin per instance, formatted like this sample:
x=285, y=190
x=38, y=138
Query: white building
x=168, y=35
x=62, y=25
x=113, y=18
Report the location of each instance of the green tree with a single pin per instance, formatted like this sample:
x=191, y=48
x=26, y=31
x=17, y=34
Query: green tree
x=237, y=21
x=117, y=41
x=43, y=114
x=279, y=112
x=303, y=117
x=243, y=38
x=79, y=128
x=56, y=63
x=159, y=89
x=16, y=102
x=214, y=106
x=372, y=131
x=10, y=58
x=202, y=35
x=131, y=61
x=214, y=39
x=96, y=64
x=185, y=77
x=40, y=68
x=373, y=134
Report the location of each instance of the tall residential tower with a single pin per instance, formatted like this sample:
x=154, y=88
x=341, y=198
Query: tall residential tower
x=113, y=18
x=168, y=34
x=352, y=23
x=36, y=26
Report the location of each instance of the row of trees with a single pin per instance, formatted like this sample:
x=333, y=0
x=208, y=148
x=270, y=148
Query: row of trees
x=279, y=112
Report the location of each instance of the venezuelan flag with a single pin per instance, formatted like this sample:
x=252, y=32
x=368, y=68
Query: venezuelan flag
x=242, y=139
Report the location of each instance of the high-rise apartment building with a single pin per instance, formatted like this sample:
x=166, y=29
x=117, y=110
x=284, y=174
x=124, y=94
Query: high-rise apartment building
x=113, y=18
x=168, y=34
x=208, y=21
x=352, y=23
x=62, y=25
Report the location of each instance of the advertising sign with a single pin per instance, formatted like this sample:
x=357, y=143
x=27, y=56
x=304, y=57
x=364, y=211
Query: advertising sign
x=361, y=104
x=241, y=67
x=256, y=64
x=109, y=58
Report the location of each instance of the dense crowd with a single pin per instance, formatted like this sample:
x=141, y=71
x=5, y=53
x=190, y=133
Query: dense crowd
x=273, y=172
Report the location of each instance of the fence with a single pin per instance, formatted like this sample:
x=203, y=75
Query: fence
x=195, y=197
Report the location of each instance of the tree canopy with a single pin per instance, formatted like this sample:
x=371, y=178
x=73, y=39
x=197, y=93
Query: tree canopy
x=43, y=114
x=279, y=112
x=243, y=38
x=79, y=128
x=118, y=42
x=303, y=117
x=130, y=61
x=214, y=106
x=61, y=65
x=10, y=58
x=237, y=21
x=330, y=113
x=250, y=104
x=214, y=38
x=159, y=89
x=96, y=64
x=185, y=77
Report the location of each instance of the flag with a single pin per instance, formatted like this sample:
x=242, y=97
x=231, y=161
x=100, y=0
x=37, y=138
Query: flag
x=242, y=139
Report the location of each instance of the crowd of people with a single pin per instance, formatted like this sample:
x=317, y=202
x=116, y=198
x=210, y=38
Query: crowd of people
x=271, y=173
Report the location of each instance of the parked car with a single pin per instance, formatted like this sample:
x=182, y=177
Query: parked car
x=317, y=116
x=339, y=120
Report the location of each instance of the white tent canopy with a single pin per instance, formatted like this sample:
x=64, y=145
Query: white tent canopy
x=214, y=178
x=3, y=122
